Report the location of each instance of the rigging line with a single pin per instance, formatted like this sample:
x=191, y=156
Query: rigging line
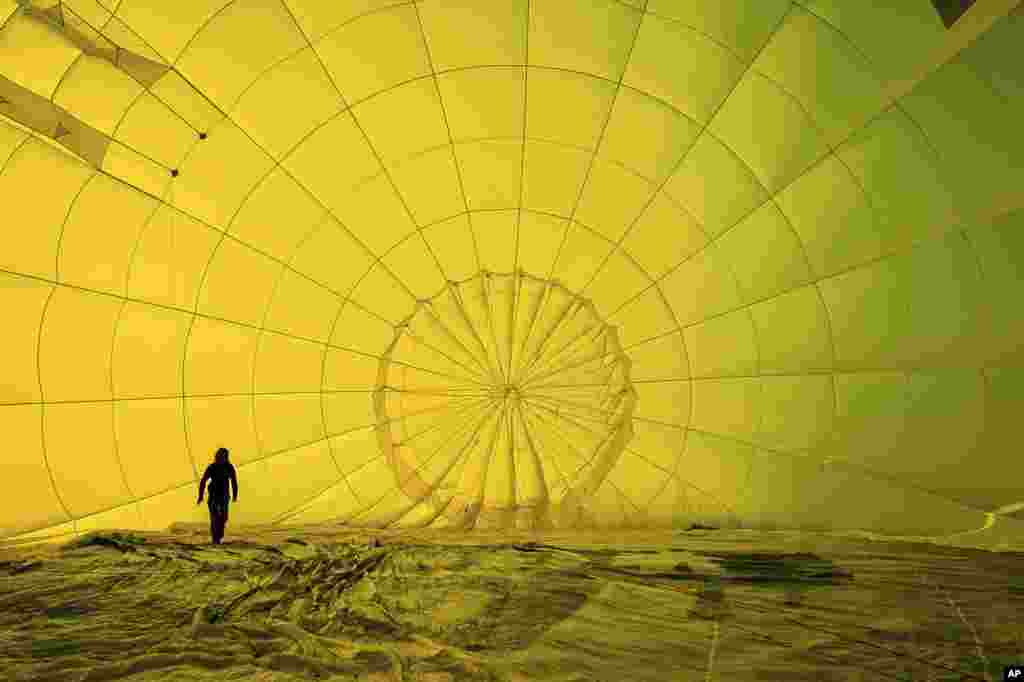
x=595, y=327
x=690, y=147
x=586, y=335
x=451, y=139
x=489, y=314
x=450, y=335
x=460, y=430
x=512, y=374
x=590, y=165
x=570, y=309
x=455, y=293
x=472, y=377
x=437, y=424
x=533, y=428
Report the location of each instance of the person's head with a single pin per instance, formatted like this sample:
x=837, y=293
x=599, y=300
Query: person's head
x=221, y=456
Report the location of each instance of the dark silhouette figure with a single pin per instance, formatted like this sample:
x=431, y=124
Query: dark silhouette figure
x=219, y=473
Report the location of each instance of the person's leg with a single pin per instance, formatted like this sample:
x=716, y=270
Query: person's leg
x=224, y=518
x=214, y=520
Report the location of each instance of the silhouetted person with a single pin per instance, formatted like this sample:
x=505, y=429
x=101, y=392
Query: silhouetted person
x=219, y=473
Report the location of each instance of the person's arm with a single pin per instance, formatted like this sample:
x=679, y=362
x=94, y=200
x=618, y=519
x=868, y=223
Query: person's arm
x=234, y=481
x=202, y=484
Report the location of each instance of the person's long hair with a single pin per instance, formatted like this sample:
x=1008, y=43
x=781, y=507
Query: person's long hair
x=221, y=456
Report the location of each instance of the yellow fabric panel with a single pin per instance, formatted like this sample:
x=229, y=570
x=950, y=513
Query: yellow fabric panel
x=637, y=480
x=613, y=198
x=150, y=431
x=997, y=247
x=32, y=164
x=647, y=136
x=386, y=296
x=82, y=257
x=646, y=241
x=440, y=201
x=319, y=17
x=708, y=165
x=329, y=244
x=24, y=300
x=390, y=131
x=741, y=26
x=702, y=286
x=781, y=266
x=699, y=77
x=793, y=333
x=171, y=258
x=570, y=108
x=492, y=172
x=11, y=138
x=148, y=351
x=319, y=472
x=484, y=103
x=348, y=411
x=375, y=52
x=782, y=144
x=52, y=56
x=118, y=517
x=277, y=216
x=557, y=23
x=87, y=483
x=232, y=264
x=720, y=467
x=844, y=233
x=375, y=214
x=359, y=331
x=286, y=364
x=214, y=421
x=494, y=234
x=618, y=281
x=207, y=170
x=302, y=307
x=76, y=93
x=553, y=176
x=273, y=121
x=27, y=472
x=667, y=402
x=823, y=70
x=796, y=412
x=662, y=357
x=75, y=345
x=471, y=32
x=661, y=445
x=723, y=346
x=206, y=370
x=904, y=216
x=547, y=232
x=974, y=119
x=644, y=318
x=601, y=262
x=151, y=112
x=918, y=29
x=285, y=422
x=415, y=257
x=146, y=174
x=728, y=407
x=223, y=59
